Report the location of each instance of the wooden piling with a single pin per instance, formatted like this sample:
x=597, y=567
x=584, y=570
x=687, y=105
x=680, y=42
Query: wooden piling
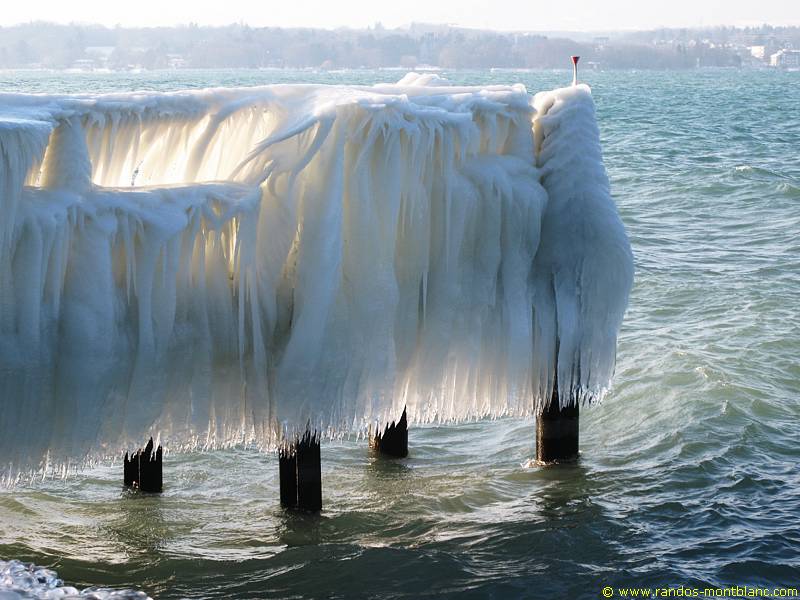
x=143, y=469
x=309, y=473
x=300, y=473
x=557, y=432
x=287, y=472
x=393, y=441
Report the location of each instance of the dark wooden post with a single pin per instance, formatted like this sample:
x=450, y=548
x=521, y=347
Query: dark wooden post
x=300, y=473
x=394, y=439
x=309, y=473
x=130, y=469
x=287, y=470
x=557, y=432
x=143, y=470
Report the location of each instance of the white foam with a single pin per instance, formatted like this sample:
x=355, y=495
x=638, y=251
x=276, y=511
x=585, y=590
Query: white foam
x=20, y=581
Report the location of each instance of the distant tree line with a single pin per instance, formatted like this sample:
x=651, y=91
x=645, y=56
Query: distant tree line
x=46, y=45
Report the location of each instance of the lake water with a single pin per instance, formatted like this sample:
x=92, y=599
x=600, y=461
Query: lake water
x=689, y=470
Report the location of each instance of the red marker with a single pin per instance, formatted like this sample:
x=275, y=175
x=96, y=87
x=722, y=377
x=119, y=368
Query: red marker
x=575, y=60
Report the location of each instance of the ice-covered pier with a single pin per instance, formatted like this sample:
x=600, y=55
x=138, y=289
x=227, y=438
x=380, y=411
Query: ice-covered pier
x=223, y=266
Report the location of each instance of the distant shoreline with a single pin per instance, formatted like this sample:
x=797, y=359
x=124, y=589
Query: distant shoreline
x=91, y=48
x=100, y=72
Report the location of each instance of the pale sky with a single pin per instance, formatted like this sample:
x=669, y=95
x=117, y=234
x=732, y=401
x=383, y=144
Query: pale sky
x=533, y=15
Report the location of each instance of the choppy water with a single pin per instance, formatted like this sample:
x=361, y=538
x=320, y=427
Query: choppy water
x=689, y=471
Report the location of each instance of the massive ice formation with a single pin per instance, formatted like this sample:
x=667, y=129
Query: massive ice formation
x=219, y=265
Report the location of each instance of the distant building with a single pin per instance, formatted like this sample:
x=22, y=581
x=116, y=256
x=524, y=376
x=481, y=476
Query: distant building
x=99, y=53
x=83, y=64
x=787, y=59
x=758, y=52
x=176, y=61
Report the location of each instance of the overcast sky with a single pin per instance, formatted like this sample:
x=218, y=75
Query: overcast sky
x=534, y=15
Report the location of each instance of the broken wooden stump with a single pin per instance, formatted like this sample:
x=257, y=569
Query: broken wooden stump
x=300, y=473
x=394, y=439
x=557, y=432
x=143, y=470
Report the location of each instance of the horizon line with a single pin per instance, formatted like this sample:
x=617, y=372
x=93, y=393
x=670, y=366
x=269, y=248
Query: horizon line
x=377, y=26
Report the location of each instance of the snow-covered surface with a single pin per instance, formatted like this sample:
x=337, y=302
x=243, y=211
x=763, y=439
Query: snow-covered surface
x=217, y=266
x=21, y=581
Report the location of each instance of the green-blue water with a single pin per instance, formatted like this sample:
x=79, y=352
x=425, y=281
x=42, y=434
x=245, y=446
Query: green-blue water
x=689, y=471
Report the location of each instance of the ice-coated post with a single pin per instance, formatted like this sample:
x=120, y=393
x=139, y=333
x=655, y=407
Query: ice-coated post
x=66, y=163
x=394, y=439
x=300, y=473
x=575, y=60
x=143, y=470
x=557, y=432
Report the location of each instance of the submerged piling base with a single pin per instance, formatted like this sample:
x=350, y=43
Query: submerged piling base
x=300, y=473
x=394, y=439
x=557, y=433
x=143, y=470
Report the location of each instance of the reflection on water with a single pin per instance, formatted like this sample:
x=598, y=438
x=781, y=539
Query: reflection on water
x=388, y=469
x=299, y=529
x=137, y=525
